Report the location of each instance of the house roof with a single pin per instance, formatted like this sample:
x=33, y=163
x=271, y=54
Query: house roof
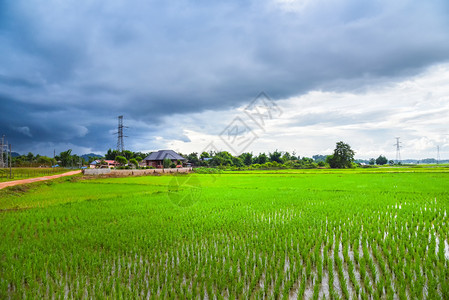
x=110, y=162
x=163, y=154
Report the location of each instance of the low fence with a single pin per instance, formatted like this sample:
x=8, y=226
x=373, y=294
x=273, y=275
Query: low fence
x=94, y=172
x=23, y=173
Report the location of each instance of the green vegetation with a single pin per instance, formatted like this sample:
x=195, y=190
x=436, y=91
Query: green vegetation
x=121, y=160
x=204, y=170
x=24, y=173
x=343, y=156
x=367, y=233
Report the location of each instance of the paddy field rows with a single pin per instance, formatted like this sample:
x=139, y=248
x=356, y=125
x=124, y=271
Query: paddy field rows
x=249, y=235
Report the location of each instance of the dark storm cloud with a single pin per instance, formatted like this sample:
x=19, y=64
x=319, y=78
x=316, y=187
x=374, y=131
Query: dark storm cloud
x=68, y=68
x=44, y=123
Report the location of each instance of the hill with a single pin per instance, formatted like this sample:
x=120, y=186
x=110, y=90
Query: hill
x=91, y=155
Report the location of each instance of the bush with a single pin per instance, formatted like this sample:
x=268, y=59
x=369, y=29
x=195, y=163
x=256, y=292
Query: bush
x=166, y=163
x=203, y=170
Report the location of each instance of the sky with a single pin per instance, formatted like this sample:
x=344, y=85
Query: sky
x=240, y=76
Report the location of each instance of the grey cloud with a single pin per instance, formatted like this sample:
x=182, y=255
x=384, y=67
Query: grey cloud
x=24, y=130
x=86, y=63
x=338, y=118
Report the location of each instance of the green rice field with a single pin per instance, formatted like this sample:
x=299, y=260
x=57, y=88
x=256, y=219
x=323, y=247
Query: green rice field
x=288, y=234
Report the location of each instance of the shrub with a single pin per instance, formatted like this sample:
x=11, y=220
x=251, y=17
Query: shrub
x=203, y=170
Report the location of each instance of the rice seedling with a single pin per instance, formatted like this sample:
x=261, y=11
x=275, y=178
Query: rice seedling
x=250, y=235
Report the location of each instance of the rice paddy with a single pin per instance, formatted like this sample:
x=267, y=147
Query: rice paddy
x=287, y=234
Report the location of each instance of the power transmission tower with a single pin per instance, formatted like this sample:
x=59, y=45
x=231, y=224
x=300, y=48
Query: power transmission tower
x=120, y=136
x=398, y=150
x=1, y=151
x=438, y=154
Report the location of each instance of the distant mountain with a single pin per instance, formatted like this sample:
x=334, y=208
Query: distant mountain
x=15, y=154
x=91, y=155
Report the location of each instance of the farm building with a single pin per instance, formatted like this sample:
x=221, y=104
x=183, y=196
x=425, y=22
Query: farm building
x=97, y=164
x=156, y=159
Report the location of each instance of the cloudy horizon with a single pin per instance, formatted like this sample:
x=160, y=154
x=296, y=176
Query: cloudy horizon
x=362, y=72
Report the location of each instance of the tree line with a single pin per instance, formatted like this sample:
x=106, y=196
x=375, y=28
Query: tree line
x=342, y=157
x=64, y=159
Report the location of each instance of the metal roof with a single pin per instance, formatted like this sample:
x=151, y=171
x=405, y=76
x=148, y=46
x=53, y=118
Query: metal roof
x=163, y=154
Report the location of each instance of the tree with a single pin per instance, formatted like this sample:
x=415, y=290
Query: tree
x=381, y=160
x=237, y=162
x=294, y=157
x=128, y=154
x=166, y=163
x=307, y=160
x=121, y=160
x=66, y=158
x=193, y=158
x=372, y=161
x=30, y=157
x=262, y=158
x=204, y=155
x=111, y=154
x=286, y=157
x=276, y=157
x=44, y=160
x=222, y=158
x=134, y=162
x=342, y=158
x=139, y=154
x=247, y=158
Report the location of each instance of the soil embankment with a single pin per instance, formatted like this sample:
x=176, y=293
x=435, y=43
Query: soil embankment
x=31, y=180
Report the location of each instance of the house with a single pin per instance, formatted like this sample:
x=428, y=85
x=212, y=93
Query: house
x=156, y=159
x=109, y=164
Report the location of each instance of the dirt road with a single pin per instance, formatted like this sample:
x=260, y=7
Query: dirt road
x=30, y=180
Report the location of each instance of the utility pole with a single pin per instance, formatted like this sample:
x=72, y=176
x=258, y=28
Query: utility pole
x=438, y=154
x=398, y=150
x=1, y=151
x=5, y=150
x=10, y=162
